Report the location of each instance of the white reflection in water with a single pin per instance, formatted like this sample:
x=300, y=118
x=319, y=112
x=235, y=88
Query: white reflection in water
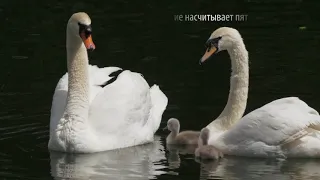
x=138, y=162
x=147, y=162
x=234, y=168
x=237, y=168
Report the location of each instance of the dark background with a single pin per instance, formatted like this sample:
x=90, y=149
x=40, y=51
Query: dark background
x=282, y=38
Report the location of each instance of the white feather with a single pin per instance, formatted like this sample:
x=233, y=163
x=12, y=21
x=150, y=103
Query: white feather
x=286, y=127
x=264, y=131
x=90, y=115
x=124, y=113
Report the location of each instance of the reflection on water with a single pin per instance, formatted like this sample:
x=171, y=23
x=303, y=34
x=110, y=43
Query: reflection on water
x=240, y=168
x=175, y=151
x=237, y=168
x=143, y=36
x=140, y=162
x=210, y=170
x=149, y=161
x=181, y=149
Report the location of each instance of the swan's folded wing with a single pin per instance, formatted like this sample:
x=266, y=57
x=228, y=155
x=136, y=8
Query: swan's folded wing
x=275, y=123
x=122, y=106
x=97, y=76
x=159, y=103
x=59, y=100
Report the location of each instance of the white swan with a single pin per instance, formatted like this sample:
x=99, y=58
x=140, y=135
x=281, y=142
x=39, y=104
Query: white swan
x=286, y=127
x=89, y=116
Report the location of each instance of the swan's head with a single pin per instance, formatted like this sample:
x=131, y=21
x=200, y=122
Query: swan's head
x=204, y=135
x=173, y=125
x=223, y=38
x=79, y=25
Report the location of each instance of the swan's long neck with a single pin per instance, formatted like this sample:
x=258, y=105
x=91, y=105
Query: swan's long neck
x=78, y=82
x=173, y=134
x=238, y=93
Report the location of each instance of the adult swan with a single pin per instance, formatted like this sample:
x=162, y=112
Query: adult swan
x=286, y=127
x=98, y=109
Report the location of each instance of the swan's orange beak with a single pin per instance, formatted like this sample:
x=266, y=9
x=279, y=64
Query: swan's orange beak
x=87, y=40
x=208, y=54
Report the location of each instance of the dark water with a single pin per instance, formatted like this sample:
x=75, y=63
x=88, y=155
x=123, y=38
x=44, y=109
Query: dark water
x=143, y=36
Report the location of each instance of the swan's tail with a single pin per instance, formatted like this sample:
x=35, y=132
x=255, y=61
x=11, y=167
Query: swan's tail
x=159, y=104
x=314, y=116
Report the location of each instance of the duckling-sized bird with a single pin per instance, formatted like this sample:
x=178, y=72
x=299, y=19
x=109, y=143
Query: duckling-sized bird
x=205, y=151
x=180, y=138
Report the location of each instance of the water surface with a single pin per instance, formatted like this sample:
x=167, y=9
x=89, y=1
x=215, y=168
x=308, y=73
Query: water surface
x=142, y=36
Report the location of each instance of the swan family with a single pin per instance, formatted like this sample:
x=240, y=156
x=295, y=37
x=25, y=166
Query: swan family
x=98, y=109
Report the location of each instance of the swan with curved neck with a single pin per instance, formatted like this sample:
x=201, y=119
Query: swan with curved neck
x=239, y=80
x=286, y=127
x=98, y=109
x=78, y=41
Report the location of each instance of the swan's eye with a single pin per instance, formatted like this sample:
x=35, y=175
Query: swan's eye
x=212, y=42
x=85, y=32
x=208, y=45
x=88, y=31
x=85, y=29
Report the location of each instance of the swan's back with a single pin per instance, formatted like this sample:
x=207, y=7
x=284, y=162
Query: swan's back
x=121, y=106
x=127, y=110
x=276, y=123
x=123, y=113
x=159, y=103
x=97, y=77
